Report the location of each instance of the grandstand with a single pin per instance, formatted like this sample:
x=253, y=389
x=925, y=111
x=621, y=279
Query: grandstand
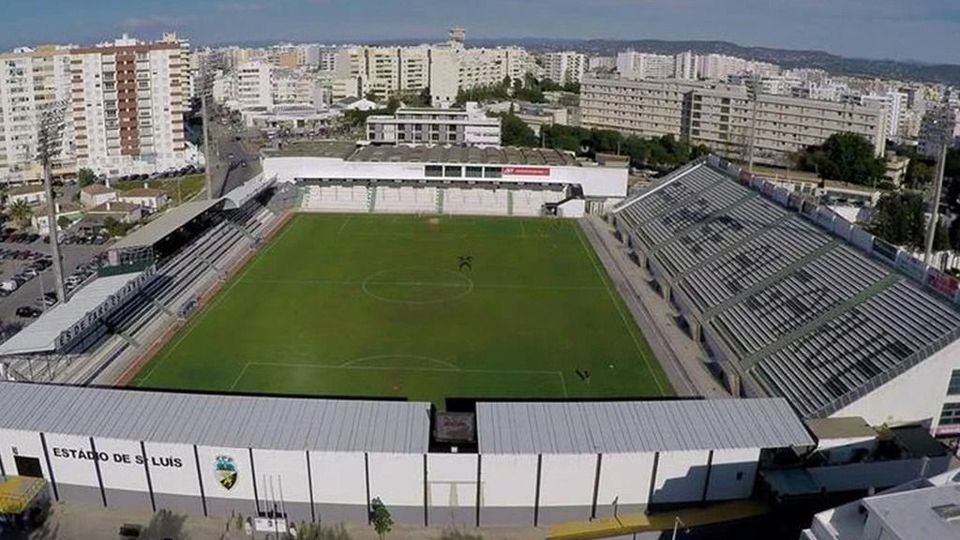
x=790, y=300
x=343, y=177
x=153, y=279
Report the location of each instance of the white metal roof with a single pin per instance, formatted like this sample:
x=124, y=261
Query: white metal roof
x=637, y=426
x=163, y=226
x=242, y=194
x=237, y=421
x=41, y=336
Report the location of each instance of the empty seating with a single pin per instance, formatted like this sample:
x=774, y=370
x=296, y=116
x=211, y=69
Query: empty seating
x=476, y=201
x=406, y=200
x=336, y=198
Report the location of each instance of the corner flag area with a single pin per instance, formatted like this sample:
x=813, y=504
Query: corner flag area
x=423, y=308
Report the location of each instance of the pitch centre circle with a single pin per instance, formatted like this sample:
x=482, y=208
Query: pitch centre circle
x=417, y=285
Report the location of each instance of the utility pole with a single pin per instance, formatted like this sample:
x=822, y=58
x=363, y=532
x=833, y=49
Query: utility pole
x=935, y=206
x=206, y=140
x=48, y=142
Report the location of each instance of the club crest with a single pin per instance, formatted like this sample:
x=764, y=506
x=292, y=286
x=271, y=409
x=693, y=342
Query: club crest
x=226, y=471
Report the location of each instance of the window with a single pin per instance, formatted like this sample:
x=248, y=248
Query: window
x=453, y=171
x=474, y=172
x=433, y=171
x=950, y=415
x=493, y=172
x=739, y=475
x=953, y=388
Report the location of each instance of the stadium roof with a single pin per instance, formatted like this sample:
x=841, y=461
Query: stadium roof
x=270, y=423
x=797, y=310
x=242, y=194
x=425, y=154
x=637, y=426
x=41, y=336
x=167, y=223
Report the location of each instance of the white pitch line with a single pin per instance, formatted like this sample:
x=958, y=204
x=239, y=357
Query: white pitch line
x=240, y=376
x=344, y=225
x=379, y=368
x=563, y=384
x=631, y=328
x=428, y=284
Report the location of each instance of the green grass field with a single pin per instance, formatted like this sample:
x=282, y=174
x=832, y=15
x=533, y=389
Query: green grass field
x=343, y=305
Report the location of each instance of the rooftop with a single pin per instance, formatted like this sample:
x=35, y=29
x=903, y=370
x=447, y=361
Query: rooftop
x=113, y=207
x=425, y=154
x=165, y=224
x=637, y=426
x=846, y=427
x=799, y=312
x=141, y=193
x=42, y=334
x=269, y=423
x=922, y=513
x=97, y=189
x=25, y=189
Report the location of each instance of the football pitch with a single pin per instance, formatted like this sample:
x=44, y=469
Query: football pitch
x=424, y=308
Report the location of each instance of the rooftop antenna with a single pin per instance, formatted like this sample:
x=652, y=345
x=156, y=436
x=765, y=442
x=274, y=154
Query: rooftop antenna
x=49, y=141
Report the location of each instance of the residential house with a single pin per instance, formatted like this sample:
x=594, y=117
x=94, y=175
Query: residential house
x=96, y=194
x=150, y=199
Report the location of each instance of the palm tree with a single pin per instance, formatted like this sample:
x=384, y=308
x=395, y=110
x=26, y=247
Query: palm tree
x=21, y=213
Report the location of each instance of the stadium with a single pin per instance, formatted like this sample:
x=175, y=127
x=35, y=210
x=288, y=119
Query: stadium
x=434, y=327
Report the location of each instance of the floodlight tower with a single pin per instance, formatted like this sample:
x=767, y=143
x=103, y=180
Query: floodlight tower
x=49, y=135
x=943, y=132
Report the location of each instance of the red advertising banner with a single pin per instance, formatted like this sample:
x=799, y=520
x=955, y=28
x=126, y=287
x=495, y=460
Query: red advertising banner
x=526, y=171
x=942, y=283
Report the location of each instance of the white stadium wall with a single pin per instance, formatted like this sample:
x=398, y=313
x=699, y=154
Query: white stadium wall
x=916, y=395
x=398, y=480
x=339, y=485
x=173, y=475
x=597, y=182
x=124, y=473
x=626, y=479
x=732, y=473
x=567, y=486
x=681, y=477
x=452, y=489
x=508, y=489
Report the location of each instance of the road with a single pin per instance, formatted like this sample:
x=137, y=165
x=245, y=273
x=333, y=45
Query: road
x=232, y=144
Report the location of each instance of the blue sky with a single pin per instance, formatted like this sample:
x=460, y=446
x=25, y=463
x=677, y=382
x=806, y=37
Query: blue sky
x=926, y=30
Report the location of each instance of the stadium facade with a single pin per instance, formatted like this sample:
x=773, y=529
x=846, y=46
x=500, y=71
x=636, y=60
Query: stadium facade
x=447, y=179
x=790, y=300
x=317, y=459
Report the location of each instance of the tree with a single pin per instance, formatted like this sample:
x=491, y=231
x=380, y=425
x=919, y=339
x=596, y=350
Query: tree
x=21, y=213
x=918, y=174
x=115, y=228
x=380, y=517
x=900, y=219
x=85, y=177
x=63, y=222
x=846, y=157
x=514, y=132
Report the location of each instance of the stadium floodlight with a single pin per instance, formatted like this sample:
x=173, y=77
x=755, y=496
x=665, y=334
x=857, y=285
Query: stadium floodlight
x=942, y=134
x=49, y=144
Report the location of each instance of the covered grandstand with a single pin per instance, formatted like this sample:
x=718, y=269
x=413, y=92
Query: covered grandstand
x=344, y=177
x=791, y=300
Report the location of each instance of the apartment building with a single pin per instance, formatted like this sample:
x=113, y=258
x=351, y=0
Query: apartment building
x=721, y=116
x=30, y=81
x=647, y=108
x=638, y=65
x=467, y=126
x=127, y=106
x=564, y=67
x=443, y=68
x=260, y=86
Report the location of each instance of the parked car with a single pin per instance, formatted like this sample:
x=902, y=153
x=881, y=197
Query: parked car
x=9, y=285
x=28, y=312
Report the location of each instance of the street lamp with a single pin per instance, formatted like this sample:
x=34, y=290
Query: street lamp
x=49, y=141
x=676, y=524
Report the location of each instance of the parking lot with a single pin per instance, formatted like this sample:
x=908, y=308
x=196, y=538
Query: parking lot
x=28, y=261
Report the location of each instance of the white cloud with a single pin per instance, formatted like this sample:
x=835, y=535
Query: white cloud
x=154, y=22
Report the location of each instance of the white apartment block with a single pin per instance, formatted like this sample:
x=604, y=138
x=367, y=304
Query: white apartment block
x=895, y=104
x=721, y=116
x=443, y=68
x=128, y=105
x=30, y=81
x=638, y=65
x=564, y=67
x=461, y=127
x=260, y=86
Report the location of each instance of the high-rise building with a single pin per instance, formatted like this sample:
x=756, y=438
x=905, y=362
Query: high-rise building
x=638, y=65
x=721, y=116
x=128, y=105
x=564, y=67
x=30, y=81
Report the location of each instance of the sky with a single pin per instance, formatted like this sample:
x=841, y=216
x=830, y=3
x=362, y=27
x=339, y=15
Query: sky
x=923, y=30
